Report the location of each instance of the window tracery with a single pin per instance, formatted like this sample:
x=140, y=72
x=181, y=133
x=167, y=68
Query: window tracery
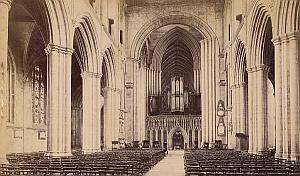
x=38, y=97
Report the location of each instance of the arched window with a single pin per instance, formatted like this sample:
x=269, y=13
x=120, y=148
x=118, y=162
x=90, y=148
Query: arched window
x=177, y=93
x=38, y=97
x=11, y=89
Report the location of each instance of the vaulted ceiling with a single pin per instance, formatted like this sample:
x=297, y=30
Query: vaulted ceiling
x=173, y=50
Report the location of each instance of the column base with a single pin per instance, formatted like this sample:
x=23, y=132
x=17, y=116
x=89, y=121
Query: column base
x=89, y=151
x=58, y=154
x=295, y=157
x=263, y=152
x=278, y=155
x=286, y=156
x=3, y=161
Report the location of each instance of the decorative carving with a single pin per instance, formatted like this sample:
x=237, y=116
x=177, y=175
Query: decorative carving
x=221, y=127
x=170, y=121
x=221, y=109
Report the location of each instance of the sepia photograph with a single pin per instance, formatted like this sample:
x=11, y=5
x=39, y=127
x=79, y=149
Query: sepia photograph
x=150, y=87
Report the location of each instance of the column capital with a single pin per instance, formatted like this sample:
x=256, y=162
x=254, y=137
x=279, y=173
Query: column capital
x=234, y=86
x=276, y=40
x=57, y=48
x=133, y=59
x=295, y=35
x=263, y=68
x=6, y=2
x=129, y=85
x=91, y=74
x=110, y=89
x=243, y=84
x=257, y=68
x=238, y=85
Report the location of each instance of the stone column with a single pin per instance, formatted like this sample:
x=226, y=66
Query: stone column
x=199, y=137
x=59, y=60
x=262, y=121
x=278, y=97
x=195, y=79
x=251, y=125
x=129, y=98
x=193, y=137
x=242, y=111
x=285, y=99
x=210, y=94
x=4, y=10
x=109, y=118
x=162, y=137
x=203, y=102
x=151, y=137
x=294, y=94
x=140, y=97
x=116, y=114
x=92, y=103
x=234, y=121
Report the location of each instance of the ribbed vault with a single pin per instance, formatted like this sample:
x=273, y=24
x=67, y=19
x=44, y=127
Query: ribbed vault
x=177, y=61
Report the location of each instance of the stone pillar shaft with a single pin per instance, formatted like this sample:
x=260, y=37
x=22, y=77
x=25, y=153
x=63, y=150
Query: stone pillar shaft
x=243, y=109
x=203, y=101
x=234, y=91
x=108, y=118
x=92, y=103
x=4, y=10
x=262, y=125
x=59, y=99
x=278, y=98
x=285, y=97
x=251, y=121
x=294, y=95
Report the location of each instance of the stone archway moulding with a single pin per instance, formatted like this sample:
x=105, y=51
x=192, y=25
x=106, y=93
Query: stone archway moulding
x=171, y=133
x=175, y=18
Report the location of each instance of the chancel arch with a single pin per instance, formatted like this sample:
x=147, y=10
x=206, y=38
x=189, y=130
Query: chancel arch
x=182, y=50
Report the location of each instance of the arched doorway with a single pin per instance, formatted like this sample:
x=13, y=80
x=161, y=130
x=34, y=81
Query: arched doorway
x=178, y=141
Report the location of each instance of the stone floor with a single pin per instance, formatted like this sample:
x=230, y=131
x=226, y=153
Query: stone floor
x=171, y=165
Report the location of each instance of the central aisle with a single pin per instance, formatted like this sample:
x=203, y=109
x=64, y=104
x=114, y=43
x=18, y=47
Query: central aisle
x=171, y=165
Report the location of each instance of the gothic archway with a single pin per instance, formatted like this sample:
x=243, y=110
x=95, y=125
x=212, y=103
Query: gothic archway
x=171, y=135
x=260, y=67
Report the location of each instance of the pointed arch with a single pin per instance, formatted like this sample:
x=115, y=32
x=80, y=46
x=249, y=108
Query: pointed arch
x=287, y=17
x=260, y=17
x=239, y=61
x=108, y=63
x=59, y=23
x=87, y=43
x=177, y=33
x=185, y=19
